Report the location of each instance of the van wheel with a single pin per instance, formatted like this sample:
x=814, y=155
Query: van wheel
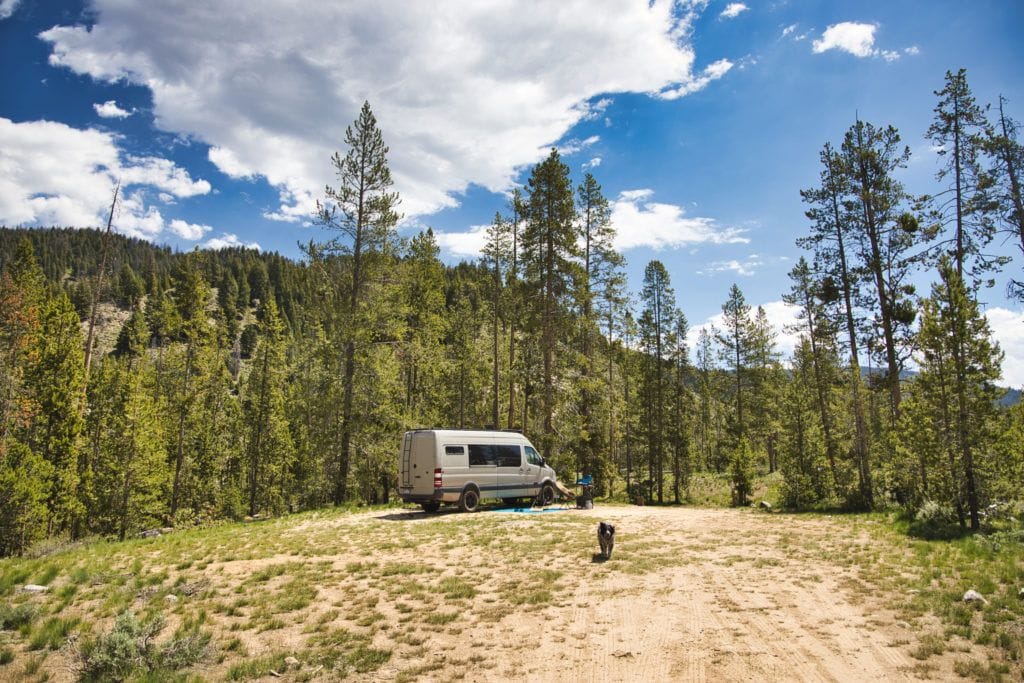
x=469, y=501
x=547, y=495
x=432, y=506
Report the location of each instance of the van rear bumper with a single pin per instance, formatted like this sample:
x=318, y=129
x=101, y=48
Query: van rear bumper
x=411, y=497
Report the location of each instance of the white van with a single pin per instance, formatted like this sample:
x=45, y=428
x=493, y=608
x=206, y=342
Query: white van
x=461, y=466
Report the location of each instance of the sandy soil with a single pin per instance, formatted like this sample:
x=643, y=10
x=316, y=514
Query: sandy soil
x=739, y=604
x=689, y=595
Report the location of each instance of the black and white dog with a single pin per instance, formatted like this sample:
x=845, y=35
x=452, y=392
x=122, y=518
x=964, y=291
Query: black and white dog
x=606, y=538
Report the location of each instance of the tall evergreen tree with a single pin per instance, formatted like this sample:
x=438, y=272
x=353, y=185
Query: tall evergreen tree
x=735, y=352
x=549, y=240
x=832, y=239
x=1008, y=156
x=269, y=449
x=887, y=235
x=957, y=348
x=659, y=318
x=362, y=210
x=965, y=205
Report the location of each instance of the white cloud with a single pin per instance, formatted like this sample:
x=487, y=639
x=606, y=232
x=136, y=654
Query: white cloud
x=468, y=244
x=110, y=110
x=912, y=50
x=745, y=268
x=53, y=174
x=7, y=8
x=641, y=222
x=464, y=92
x=733, y=10
x=593, y=163
x=189, y=231
x=712, y=72
x=1008, y=329
x=789, y=29
x=849, y=36
x=574, y=146
x=228, y=240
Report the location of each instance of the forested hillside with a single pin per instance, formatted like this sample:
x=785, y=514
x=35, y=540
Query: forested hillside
x=245, y=383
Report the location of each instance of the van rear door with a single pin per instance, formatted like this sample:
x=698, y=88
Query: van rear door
x=422, y=461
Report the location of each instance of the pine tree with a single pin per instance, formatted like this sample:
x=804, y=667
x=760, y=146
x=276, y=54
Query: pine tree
x=659, y=318
x=766, y=385
x=735, y=352
x=23, y=496
x=957, y=347
x=1007, y=154
x=55, y=380
x=549, y=241
x=362, y=210
x=497, y=251
x=599, y=289
x=832, y=236
x=871, y=156
x=425, y=328
x=966, y=205
x=269, y=449
x=818, y=334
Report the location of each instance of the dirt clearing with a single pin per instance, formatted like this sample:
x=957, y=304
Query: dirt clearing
x=689, y=595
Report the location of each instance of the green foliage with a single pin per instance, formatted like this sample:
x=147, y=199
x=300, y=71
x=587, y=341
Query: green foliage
x=934, y=521
x=14, y=617
x=23, y=496
x=130, y=649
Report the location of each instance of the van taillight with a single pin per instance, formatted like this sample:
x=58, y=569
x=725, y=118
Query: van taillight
x=437, y=478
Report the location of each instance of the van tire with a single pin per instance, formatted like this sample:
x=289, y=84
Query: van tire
x=547, y=495
x=469, y=501
x=432, y=506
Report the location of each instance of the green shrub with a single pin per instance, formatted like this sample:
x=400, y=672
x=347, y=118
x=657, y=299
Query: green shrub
x=934, y=522
x=130, y=650
x=14, y=617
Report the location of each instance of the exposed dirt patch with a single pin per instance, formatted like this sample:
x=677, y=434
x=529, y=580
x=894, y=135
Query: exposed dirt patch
x=689, y=594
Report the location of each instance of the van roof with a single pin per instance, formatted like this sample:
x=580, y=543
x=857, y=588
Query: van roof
x=463, y=434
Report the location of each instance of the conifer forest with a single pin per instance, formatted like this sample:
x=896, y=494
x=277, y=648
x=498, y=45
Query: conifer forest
x=142, y=387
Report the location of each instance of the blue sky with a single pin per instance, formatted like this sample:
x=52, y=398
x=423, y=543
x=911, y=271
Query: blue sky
x=701, y=120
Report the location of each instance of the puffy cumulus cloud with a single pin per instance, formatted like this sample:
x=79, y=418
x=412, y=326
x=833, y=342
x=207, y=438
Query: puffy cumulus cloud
x=7, y=8
x=189, y=231
x=641, y=222
x=1008, y=329
x=849, y=36
x=53, y=174
x=228, y=240
x=593, y=163
x=464, y=92
x=468, y=244
x=110, y=110
x=733, y=10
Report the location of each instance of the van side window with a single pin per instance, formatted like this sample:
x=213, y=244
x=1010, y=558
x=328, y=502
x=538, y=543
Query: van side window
x=454, y=450
x=509, y=456
x=480, y=454
x=532, y=456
